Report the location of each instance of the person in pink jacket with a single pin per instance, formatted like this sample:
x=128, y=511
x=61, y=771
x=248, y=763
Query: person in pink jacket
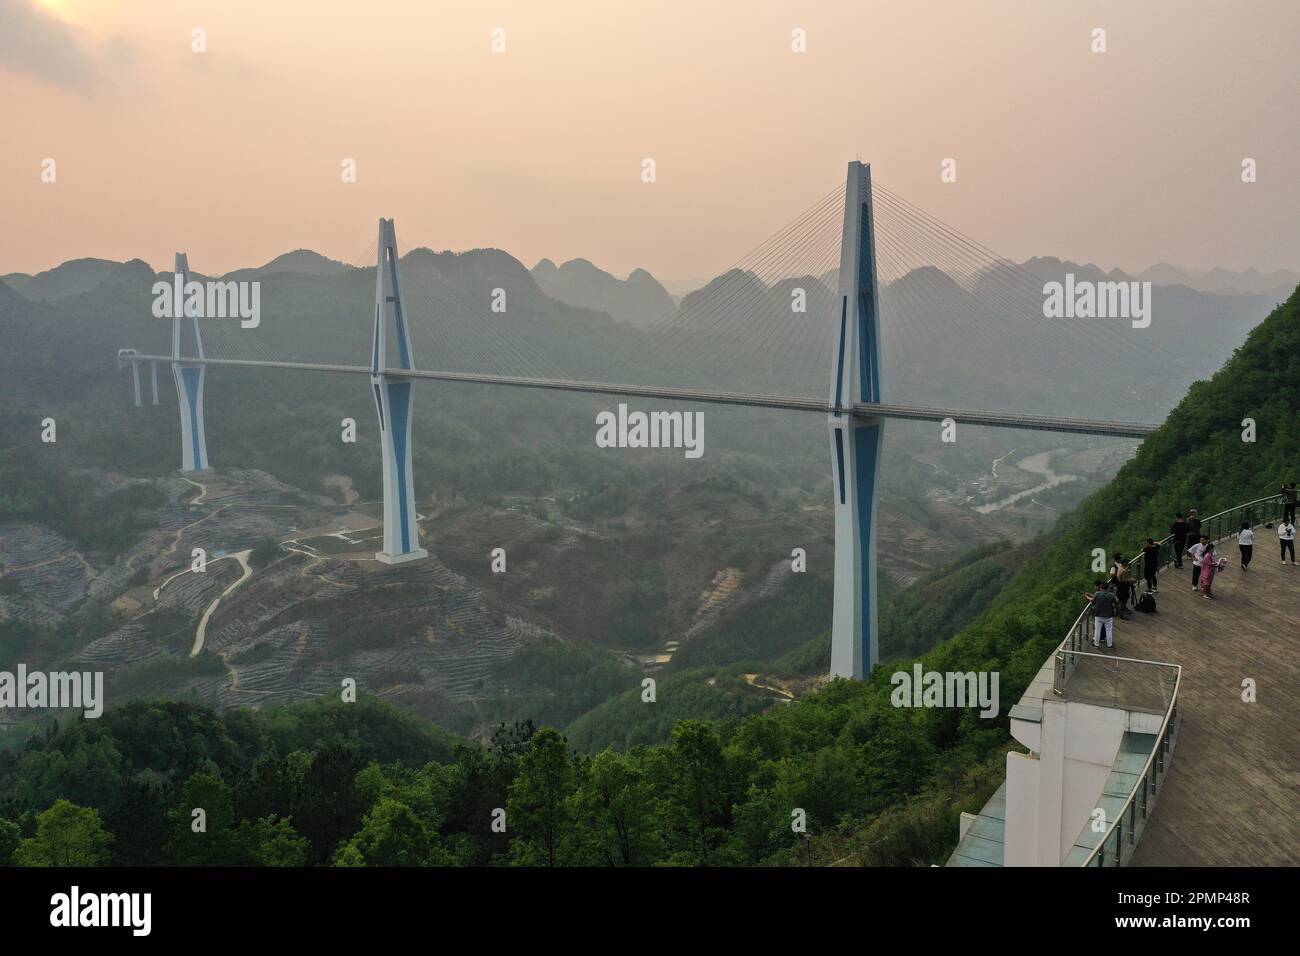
x=1209, y=567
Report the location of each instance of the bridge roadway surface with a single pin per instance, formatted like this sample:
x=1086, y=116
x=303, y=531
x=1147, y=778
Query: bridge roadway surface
x=921, y=413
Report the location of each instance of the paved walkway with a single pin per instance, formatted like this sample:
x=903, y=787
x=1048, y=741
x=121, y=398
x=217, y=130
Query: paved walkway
x=1232, y=797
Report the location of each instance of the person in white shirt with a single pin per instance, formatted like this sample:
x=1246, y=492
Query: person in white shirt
x=1197, y=551
x=1246, y=542
x=1286, y=535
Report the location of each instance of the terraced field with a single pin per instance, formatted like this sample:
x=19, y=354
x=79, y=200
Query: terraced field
x=418, y=633
x=45, y=575
x=432, y=635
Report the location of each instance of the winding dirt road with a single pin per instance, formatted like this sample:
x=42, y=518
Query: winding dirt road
x=242, y=558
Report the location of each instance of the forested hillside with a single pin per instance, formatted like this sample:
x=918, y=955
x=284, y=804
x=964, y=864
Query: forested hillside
x=355, y=784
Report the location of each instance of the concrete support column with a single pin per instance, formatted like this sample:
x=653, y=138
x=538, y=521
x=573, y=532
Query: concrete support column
x=189, y=377
x=189, y=393
x=393, y=397
x=856, y=442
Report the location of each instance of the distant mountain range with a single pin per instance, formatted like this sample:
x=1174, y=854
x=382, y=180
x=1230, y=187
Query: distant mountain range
x=965, y=341
x=77, y=276
x=639, y=299
x=1278, y=283
x=299, y=262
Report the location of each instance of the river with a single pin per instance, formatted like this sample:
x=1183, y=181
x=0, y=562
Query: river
x=1035, y=465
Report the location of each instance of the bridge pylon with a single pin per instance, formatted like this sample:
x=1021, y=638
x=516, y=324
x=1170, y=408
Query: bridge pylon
x=189, y=378
x=856, y=441
x=129, y=355
x=393, y=405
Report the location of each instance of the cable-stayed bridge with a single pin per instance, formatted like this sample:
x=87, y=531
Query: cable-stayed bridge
x=807, y=302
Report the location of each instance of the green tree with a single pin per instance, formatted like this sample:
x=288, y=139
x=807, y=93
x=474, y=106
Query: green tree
x=266, y=789
x=272, y=841
x=264, y=552
x=140, y=822
x=698, y=788
x=537, y=812
x=11, y=835
x=614, y=812
x=349, y=855
x=391, y=835
x=478, y=782
x=327, y=809
x=208, y=838
x=66, y=835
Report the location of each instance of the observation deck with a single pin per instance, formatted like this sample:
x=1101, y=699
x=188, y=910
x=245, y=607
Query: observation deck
x=1216, y=680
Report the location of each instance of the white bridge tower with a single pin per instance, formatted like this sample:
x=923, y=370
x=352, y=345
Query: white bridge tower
x=393, y=404
x=856, y=442
x=189, y=379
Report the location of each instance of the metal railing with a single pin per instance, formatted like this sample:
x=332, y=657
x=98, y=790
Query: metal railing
x=1124, y=829
x=1216, y=527
x=1155, y=696
x=1132, y=817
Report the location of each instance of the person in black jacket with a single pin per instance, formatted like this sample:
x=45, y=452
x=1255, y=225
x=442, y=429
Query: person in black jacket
x=1180, y=531
x=1150, y=563
x=1193, y=526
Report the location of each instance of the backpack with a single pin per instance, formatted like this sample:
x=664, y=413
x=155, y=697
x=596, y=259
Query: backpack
x=1147, y=603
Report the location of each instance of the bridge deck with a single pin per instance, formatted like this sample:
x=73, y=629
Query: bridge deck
x=1232, y=797
x=919, y=413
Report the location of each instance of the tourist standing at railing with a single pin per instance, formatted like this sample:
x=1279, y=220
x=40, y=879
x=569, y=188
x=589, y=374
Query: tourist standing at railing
x=1288, y=503
x=1119, y=573
x=1103, y=614
x=1193, y=526
x=1150, y=563
x=1197, y=551
x=1246, y=542
x=1286, y=535
x=1180, y=530
x=1209, y=567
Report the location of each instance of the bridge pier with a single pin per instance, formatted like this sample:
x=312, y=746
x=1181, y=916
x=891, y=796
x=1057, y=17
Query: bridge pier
x=153, y=372
x=393, y=405
x=189, y=377
x=135, y=376
x=856, y=442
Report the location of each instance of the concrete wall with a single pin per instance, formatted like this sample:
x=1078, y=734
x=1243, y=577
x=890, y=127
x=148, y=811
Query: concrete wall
x=1020, y=838
x=1051, y=795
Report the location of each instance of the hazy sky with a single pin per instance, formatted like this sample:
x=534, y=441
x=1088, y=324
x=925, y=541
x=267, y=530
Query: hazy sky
x=1123, y=158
